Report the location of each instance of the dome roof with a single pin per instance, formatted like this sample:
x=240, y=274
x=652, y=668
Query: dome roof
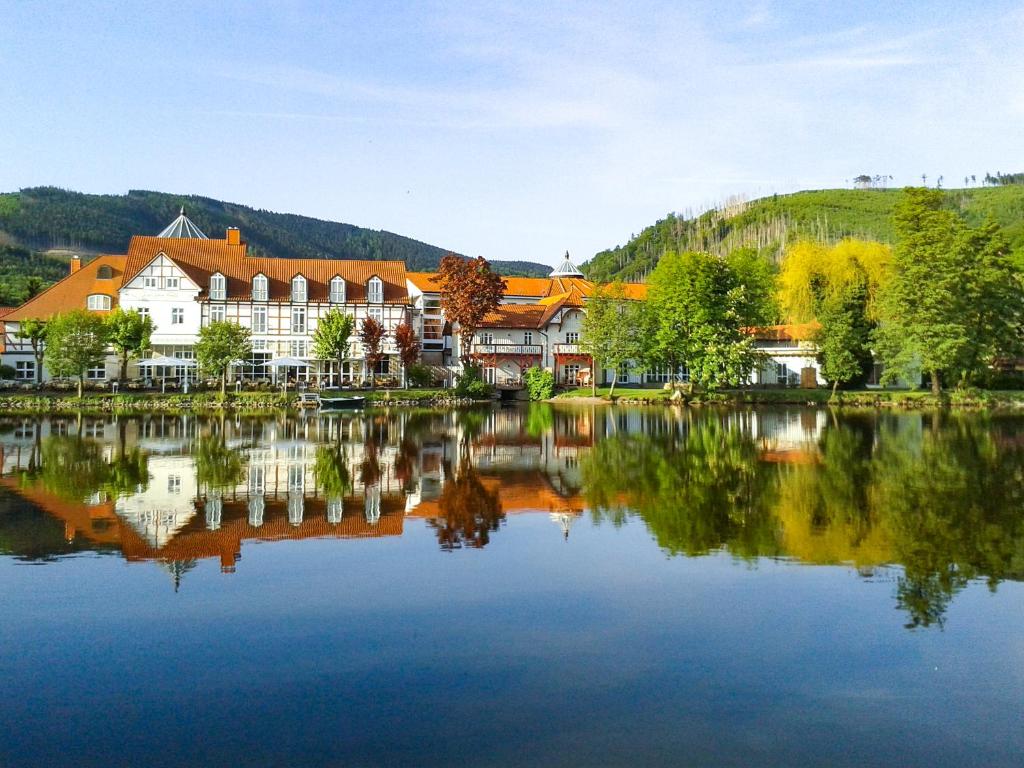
x=183, y=226
x=566, y=269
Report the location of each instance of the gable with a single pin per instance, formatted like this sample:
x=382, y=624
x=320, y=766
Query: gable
x=155, y=276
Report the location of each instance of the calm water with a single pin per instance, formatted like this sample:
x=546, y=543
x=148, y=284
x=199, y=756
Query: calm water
x=534, y=587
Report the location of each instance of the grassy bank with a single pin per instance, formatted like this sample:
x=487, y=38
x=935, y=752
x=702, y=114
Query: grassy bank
x=869, y=398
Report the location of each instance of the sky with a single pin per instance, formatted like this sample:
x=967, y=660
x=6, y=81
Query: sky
x=510, y=130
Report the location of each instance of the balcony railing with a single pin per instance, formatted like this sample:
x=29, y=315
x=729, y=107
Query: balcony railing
x=568, y=349
x=507, y=349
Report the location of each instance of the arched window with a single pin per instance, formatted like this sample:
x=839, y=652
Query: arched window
x=218, y=286
x=98, y=301
x=104, y=272
x=260, y=288
x=337, y=290
x=375, y=290
x=298, y=288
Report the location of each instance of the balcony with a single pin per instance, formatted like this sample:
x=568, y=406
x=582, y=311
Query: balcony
x=507, y=349
x=568, y=349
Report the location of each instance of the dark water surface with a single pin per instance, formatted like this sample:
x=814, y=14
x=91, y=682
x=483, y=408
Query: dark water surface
x=533, y=587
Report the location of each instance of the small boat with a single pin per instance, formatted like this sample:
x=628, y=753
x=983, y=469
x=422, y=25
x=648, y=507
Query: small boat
x=341, y=403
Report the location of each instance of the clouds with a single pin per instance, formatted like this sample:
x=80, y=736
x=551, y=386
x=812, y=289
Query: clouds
x=518, y=129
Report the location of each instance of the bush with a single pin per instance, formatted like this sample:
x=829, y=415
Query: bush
x=540, y=384
x=1004, y=380
x=420, y=375
x=471, y=384
x=7, y=372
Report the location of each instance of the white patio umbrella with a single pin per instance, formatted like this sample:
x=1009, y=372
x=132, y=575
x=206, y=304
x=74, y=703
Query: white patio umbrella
x=285, y=362
x=163, y=361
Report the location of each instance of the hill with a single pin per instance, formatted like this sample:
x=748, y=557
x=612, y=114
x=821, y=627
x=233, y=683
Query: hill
x=39, y=223
x=769, y=223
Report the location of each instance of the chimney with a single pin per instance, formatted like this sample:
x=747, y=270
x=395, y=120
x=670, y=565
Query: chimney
x=234, y=236
x=76, y=264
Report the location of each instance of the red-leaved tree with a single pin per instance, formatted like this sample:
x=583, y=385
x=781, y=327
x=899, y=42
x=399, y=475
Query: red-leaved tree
x=469, y=291
x=371, y=335
x=408, y=344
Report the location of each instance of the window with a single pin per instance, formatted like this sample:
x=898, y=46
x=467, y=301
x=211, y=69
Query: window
x=171, y=282
x=375, y=290
x=572, y=338
x=377, y=313
x=217, y=313
x=298, y=319
x=149, y=281
x=96, y=373
x=25, y=370
x=298, y=288
x=174, y=483
x=259, y=319
x=259, y=288
x=337, y=290
x=104, y=272
x=528, y=337
x=177, y=315
x=143, y=311
x=486, y=337
x=489, y=376
x=298, y=348
x=218, y=287
x=98, y=301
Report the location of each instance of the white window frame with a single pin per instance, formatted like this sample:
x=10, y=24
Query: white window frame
x=528, y=337
x=98, y=302
x=375, y=290
x=150, y=281
x=260, y=288
x=218, y=313
x=377, y=313
x=177, y=315
x=298, y=320
x=337, y=295
x=25, y=370
x=172, y=282
x=299, y=348
x=261, y=313
x=486, y=337
x=299, y=292
x=573, y=337
x=218, y=287
x=96, y=372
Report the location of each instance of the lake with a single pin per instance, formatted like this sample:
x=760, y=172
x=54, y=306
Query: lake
x=529, y=586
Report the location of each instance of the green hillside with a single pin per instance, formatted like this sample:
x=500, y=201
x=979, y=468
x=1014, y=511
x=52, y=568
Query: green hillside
x=38, y=221
x=771, y=222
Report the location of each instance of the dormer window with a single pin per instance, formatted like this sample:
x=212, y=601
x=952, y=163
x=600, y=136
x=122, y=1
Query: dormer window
x=260, y=288
x=299, y=288
x=218, y=287
x=104, y=272
x=337, y=290
x=98, y=301
x=375, y=290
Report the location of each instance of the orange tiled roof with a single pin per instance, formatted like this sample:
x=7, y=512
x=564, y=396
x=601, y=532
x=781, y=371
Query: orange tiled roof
x=542, y=288
x=516, y=316
x=200, y=259
x=787, y=332
x=425, y=281
x=5, y=311
x=72, y=291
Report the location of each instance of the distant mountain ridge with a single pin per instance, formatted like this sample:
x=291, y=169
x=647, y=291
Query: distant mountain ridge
x=769, y=223
x=38, y=220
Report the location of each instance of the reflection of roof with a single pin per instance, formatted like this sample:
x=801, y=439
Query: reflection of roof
x=72, y=291
x=518, y=492
x=200, y=259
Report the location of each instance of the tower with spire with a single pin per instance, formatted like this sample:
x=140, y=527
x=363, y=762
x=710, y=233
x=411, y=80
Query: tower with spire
x=183, y=227
x=566, y=269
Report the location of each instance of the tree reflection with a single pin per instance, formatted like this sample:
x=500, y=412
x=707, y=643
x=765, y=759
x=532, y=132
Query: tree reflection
x=469, y=512
x=218, y=466
x=75, y=469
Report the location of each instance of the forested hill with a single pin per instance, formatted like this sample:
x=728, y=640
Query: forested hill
x=44, y=219
x=771, y=222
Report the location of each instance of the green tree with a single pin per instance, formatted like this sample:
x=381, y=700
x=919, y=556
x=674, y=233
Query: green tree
x=756, y=274
x=330, y=339
x=697, y=309
x=954, y=301
x=844, y=338
x=34, y=332
x=129, y=334
x=75, y=342
x=221, y=342
x=610, y=332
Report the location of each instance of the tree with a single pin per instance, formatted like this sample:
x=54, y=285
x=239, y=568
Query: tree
x=34, y=331
x=330, y=339
x=371, y=335
x=756, y=275
x=129, y=333
x=408, y=344
x=469, y=291
x=954, y=302
x=610, y=331
x=844, y=338
x=221, y=342
x=696, y=306
x=75, y=342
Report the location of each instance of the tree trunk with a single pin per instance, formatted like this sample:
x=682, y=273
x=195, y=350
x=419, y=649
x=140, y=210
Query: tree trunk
x=223, y=383
x=39, y=368
x=81, y=386
x=124, y=367
x=835, y=386
x=936, y=384
x=338, y=382
x=593, y=376
x=615, y=378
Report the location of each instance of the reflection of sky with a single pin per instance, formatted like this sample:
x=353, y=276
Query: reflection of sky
x=533, y=652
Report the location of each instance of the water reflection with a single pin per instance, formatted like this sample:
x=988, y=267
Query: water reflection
x=938, y=496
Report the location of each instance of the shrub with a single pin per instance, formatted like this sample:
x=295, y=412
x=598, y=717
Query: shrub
x=1004, y=380
x=420, y=375
x=540, y=384
x=471, y=384
x=7, y=372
